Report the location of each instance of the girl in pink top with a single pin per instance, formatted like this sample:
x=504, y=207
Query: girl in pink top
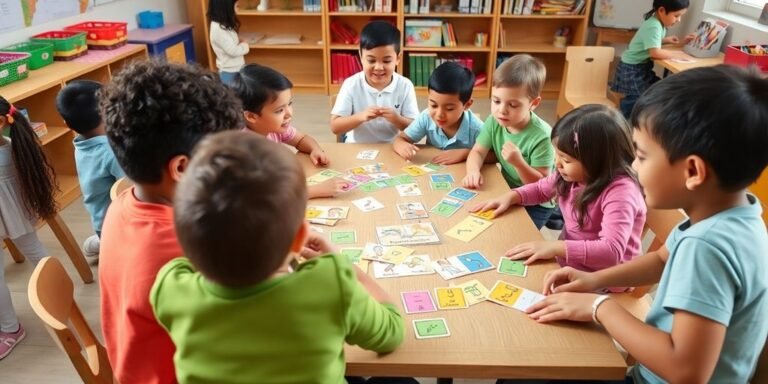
x=596, y=188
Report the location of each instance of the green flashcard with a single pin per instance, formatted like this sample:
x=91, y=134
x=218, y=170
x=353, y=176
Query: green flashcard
x=404, y=179
x=353, y=254
x=512, y=267
x=429, y=328
x=343, y=237
x=369, y=187
x=441, y=186
x=433, y=166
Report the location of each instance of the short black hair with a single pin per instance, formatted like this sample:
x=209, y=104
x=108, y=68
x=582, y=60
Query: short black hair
x=154, y=111
x=379, y=33
x=78, y=104
x=718, y=113
x=239, y=206
x=669, y=6
x=223, y=12
x=453, y=79
x=256, y=85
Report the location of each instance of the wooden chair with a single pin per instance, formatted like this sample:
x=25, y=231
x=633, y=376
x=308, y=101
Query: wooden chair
x=119, y=186
x=51, y=295
x=585, y=78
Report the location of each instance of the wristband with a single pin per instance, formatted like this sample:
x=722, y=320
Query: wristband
x=600, y=299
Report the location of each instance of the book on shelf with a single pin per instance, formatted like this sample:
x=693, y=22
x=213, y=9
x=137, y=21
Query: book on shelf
x=461, y=6
x=429, y=33
x=344, y=65
x=343, y=34
x=543, y=7
x=382, y=6
x=281, y=39
x=421, y=65
x=311, y=6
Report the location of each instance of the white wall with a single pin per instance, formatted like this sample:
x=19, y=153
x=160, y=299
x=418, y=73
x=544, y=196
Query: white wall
x=174, y=12
x=738, y=33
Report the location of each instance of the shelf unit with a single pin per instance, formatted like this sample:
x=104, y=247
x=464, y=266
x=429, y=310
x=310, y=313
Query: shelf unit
x=308, y=65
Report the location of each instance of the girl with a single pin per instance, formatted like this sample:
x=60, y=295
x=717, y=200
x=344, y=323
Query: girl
x=634, y=74
x=229, y=48
x=596, y=189
x=25, y=195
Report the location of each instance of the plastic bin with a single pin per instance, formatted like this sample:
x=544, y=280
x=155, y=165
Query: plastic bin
x=67, y=45
x=102, y=34
x=735, y=55
x=14, y=66
x=41, y=54
x=150, y=19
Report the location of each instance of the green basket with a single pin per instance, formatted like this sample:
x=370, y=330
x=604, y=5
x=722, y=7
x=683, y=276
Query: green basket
x=14, y=66
x=41, y=53
x=63, y=41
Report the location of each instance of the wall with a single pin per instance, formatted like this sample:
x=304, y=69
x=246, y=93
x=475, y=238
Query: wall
x=174, y=12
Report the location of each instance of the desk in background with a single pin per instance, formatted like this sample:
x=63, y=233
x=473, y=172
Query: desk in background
x=173, y=43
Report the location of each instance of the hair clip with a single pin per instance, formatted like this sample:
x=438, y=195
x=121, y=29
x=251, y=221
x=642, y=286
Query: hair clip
x=10, y=114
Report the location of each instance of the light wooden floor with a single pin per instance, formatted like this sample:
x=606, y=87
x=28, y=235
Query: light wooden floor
x=38, y=360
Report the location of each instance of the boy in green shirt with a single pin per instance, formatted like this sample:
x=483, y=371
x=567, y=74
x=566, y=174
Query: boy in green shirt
x=234, y=309
x=518, y=137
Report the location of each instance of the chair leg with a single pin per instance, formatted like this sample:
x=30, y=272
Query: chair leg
x=66, y=239
x=15, y=254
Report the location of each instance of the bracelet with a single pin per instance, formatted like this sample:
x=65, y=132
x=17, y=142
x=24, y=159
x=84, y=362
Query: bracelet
x=600, y=299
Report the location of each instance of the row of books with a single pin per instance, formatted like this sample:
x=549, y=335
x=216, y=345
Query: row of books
x=344, y=65
x=312, y=6
x=543, y=7
x=421, y=65
x=462, y=6
x=359, y=5
x=429, y=33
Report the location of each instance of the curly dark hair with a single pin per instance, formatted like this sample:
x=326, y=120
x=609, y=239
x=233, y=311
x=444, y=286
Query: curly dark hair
x=154, y=111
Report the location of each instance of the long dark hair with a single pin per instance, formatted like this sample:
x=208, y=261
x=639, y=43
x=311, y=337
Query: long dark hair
x=223, y=12
x=38, y=184
x=669, y=6
x=600, y=138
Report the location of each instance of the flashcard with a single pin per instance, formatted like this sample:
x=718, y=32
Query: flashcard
x=328, y=222
x=467, y=229
x=462, y=194
x=343, y=237
x=390, y=255
x=410, y=211
x=368, y=154
x=512, y=267
x=411, y=189
x=411, y=266
x=512, y=296
x=430, y=328
x=370, y=186
x=368, y=204
x=408, y=234
x=450, y=298
x=461, y=265
x=379, y=176
x=487, y=215
x=418, y=302
x=326, y=212
x=441, y=186
x=404, y=179
x=322, y=176
x=447, y=207
x=414, y=170
x=474, y=292
x=441, y=178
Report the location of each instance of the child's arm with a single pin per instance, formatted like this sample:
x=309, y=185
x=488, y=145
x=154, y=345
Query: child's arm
x=475, y=160
x=307, y=144
x=231, y=46
x=399, y=122
x=451, y=156
x=328, y=188
x=663, y=54
x=344, y=124
x=500, y=204
x=528, y=174
x=404, y=147
x=403, y=143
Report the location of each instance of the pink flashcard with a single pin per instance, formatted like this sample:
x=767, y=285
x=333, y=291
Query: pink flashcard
x=418, y=302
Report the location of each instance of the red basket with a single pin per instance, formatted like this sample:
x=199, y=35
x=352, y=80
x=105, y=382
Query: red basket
x=101, y=30
x=735, y=55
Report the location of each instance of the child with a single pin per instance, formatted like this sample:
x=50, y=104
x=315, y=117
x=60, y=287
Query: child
x=27, y=190
x=97, y=168
x=700, y=137
x=268, y=109
x=154, y=114
x=448, y=123
x=377, y=103
x=280, y=326
x=596, y=190
x=229, y=48
x=634, y=74
x=518, y=137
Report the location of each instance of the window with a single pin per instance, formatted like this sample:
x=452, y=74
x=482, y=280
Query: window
x=750, y=8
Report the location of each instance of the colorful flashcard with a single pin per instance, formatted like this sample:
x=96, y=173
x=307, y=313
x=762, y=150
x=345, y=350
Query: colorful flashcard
x=368, y=204
x=353, y=254
x=391, y=182
x=379, y=176
x=370, y=186
x=474, y=261
x=474, y=291
x=512, y=296
x=462, y=194
x=430, y=328
x=326, y=212
x=412, y=210
x=432, y=167
x=358, y=178
x=512, y=267
x=408, y=234
x=447, y=207
x=367, y=154
x=487, y=215
x=418, y=302
x=414, y=170
x=373, y=168
x=450, y=298
x=343, y=237
x=390, y=255
x=411, y=189
x=322, y=176
x=467, y=229
x=411, y=266
x=441, y=178
x=328, y=222
x=440, y=186
x=461, y=265
x=404, y=179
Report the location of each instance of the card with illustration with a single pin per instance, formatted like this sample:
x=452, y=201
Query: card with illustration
x=391, y=182
x=353, y=254
x=404, y=179
x=368, y=204
x=367, y=154
x=450, y=298
x=373, y=168
x=411, y=189
x=474, y=292
x=349, y=185
x=391, y=255
x=512, y=267
x=487, y=215
x=430, y=328
x=358, y=178
x=408, y=234
x=343, y=237
x=379, y=176
x=461, y=265
x=322, y=176
x=370, y=186
x=432, y=167
x=447, y=207
x=474, y=261
x=469, y=228
x=441, y=178
x=462, y=194
x=414, y=170
x=326, y=212
x=512, y=296
x=440, y=186
x=413, y=265
x=418, y=302
x=328, y=222
x=413, y=210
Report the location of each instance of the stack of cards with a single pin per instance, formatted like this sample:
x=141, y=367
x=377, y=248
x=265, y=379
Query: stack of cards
x=413, y=210
x=467, y=229
x=513, y=296
x=447, y=207
x=368, y=204
x=390, y=255
x=408, y=234
x=512, y=267
x=412, y=266
x=461, y=265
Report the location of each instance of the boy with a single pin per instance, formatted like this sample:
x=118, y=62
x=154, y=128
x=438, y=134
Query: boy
x=447, y=123
x=154, y=113
x=377, y=103
x=97, y=169
x=234, y=306
x=707, y=323
x=518, y=137
x=268, y=109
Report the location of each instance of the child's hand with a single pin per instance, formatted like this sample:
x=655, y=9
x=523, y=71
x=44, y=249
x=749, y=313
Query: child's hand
x=671, y=40
x=369, y=113
x=405, y=149
x=451, y=156
x=499, y=205
x=316, y=245
x=472, y=180
x=511, y=153
x=689, y=37
x=569, y=279
x=328, y=188
x=536, y=250
x=563, y=306
x=389, y=114
x=319, y=157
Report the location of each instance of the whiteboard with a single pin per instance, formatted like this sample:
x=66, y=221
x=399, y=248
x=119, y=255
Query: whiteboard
x=620, y=14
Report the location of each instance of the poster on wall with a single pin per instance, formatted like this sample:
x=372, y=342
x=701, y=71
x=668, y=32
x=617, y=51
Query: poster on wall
x=16, y=14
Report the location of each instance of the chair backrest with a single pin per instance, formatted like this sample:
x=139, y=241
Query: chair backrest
x=587, y=70
x=332, y=102
x=661, y=222
x=119, y=186
x=51, y=295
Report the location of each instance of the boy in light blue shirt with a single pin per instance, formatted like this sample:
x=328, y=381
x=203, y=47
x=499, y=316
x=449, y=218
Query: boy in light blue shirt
x=97, y=168
x=447, y=123
x=708, y=322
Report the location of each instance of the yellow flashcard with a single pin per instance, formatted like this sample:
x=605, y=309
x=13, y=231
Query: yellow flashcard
x=474, y=291
x=450, y=298
x=414, y=170
x=487, y=215
x=505, y=293
x=396, y=255
x=467, y=229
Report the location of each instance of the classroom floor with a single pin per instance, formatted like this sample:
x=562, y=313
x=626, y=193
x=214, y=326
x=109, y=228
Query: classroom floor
x=37, y=359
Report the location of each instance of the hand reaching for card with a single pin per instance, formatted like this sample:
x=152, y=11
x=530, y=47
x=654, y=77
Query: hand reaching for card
x=537, y=250
x=405, y=149
x=319, y=158
x=328, y=188
x=316, y=245
x=499, y=205
x=569, y=279
x=473, y=180
x=563, y=306
x=451, y=156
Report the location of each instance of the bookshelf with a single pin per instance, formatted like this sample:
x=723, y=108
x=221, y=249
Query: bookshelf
x=309, y=63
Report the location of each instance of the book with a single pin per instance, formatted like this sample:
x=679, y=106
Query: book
x=281, y=39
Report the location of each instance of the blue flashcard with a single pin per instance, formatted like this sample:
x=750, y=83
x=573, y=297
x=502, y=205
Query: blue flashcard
x=462, y=194
x=441, y=178
x=475, y=261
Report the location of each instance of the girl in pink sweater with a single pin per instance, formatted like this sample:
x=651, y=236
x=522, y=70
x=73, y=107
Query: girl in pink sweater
x=596, y=188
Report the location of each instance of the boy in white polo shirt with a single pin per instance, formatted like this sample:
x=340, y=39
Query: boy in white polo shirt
x=377, y=103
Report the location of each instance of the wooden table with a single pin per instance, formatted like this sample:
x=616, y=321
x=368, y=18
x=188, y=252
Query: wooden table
x=675, y=67
x=487, y=340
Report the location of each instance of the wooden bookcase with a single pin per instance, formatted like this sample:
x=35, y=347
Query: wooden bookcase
x=308, y=64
